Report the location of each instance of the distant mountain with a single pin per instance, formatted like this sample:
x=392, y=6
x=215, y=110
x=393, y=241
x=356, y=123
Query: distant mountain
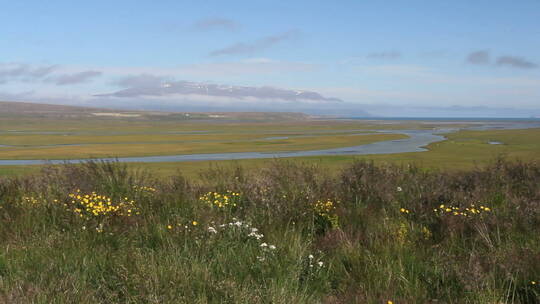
x=188, y=88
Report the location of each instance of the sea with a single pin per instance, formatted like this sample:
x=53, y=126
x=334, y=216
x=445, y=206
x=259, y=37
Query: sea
x=451, y=119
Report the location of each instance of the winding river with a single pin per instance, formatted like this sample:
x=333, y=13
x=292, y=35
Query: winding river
x=416, y=142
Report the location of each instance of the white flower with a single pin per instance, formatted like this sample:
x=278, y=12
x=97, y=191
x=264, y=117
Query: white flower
x=258, y=236
x=212, y=230
x=272, y=247
x=399, y=189
x=261, y=259
x=311, y=256
x=264, y=245
x=254, y=229
x=238, y=224
x=320, y=263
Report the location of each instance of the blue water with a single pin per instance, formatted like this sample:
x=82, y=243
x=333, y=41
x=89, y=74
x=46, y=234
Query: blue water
x=447, y=119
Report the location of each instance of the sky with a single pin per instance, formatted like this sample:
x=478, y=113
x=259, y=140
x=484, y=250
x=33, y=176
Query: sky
x=382, y=58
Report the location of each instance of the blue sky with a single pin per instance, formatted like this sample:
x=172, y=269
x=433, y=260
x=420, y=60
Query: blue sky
x=380, y=56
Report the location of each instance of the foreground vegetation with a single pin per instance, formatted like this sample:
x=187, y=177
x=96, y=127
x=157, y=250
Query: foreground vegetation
x=100, y=233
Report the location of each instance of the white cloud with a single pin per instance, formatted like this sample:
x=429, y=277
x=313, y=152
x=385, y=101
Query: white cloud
x=10, y=72
x=248, y=48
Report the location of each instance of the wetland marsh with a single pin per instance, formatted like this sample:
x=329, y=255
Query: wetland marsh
x=165, y=146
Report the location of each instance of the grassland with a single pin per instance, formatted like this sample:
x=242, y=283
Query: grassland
x=283, y=234
x=465, y=149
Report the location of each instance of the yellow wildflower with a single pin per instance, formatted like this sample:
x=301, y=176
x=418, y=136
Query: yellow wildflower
x=220, y=200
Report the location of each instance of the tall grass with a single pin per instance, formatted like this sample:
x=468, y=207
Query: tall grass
x=378, y=234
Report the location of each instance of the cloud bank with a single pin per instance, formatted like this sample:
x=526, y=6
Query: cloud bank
x=516, y=62
x=483, y=58
x=242, y=48
x=76, y=78
x=22, y=72
x=385, y=55
x=478, y=57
